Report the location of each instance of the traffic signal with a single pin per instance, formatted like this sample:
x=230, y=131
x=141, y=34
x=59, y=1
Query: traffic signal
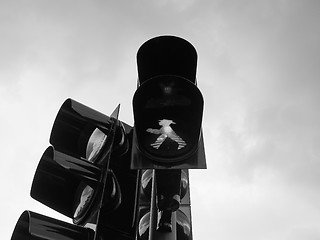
x=129, y=182
x=82, y=141
x=167, y=136
x=167, y=107
x=81, y=176
x=149, y=218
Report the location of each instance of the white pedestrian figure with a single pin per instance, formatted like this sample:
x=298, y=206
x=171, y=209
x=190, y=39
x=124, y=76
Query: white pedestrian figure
x=166, y=132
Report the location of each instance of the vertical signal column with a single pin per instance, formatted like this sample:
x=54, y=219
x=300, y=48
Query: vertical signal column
x=167, y=135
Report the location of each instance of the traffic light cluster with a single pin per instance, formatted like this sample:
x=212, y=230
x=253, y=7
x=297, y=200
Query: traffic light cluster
x=127, y=182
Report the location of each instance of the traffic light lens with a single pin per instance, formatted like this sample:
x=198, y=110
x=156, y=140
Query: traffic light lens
x=168, y=115
x=83, y=200
x=95, y=144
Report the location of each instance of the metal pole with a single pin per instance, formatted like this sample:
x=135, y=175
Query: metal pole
x=153, y=233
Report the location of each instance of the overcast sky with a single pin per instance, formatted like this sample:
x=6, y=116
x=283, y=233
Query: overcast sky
x=258, y=70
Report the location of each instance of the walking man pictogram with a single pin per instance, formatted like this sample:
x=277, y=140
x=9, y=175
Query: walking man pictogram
x=166, y=132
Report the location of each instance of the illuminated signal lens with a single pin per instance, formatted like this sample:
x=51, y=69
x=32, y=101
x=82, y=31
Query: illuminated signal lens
x=168, y=115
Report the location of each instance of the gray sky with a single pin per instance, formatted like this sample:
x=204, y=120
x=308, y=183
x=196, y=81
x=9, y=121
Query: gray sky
x=258, y=69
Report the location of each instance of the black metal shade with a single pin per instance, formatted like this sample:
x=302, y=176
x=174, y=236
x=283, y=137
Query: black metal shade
x=34, y=226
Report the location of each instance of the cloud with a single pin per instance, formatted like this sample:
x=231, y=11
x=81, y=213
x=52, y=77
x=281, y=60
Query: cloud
x=265, y=208
x=264, y=89
x=263, y=122
x=179, y=5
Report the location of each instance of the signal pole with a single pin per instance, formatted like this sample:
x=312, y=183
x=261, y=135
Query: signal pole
x=153, y=233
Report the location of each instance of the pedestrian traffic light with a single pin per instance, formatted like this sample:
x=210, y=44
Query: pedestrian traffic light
x=167, y=137
x=167, y=107
x=80, y=176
